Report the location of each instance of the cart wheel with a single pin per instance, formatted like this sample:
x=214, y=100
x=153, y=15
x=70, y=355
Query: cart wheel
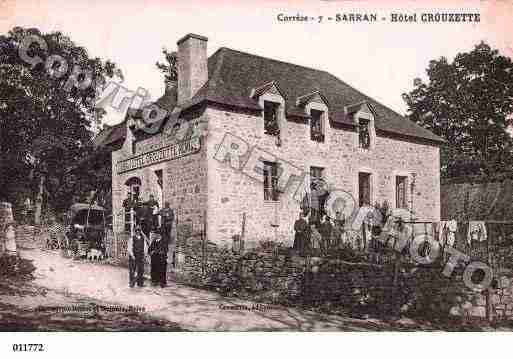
x=54, y=244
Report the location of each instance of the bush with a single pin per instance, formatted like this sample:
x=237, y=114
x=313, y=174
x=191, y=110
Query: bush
x=15, y=266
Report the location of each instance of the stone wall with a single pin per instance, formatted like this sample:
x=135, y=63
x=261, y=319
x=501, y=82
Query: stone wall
x=184, y=181
x=232, y=193
x=281, y=277
x=337, y=285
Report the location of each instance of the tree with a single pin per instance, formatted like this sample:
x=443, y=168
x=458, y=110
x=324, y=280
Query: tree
x=469, y=103
x=46, y=110
x=169, y=67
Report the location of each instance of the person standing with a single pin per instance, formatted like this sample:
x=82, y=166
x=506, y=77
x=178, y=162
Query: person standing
x=337, y=235
x=128, y=205
x=154, y=206
x=144, y=218
x=301, y=228
x=167, y=216
x=159, y=248
x=315, y=242
x=137, y=250
x=325, y=229
x=155, y=264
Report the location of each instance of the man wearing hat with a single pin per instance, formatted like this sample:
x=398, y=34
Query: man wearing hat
x=137, y=249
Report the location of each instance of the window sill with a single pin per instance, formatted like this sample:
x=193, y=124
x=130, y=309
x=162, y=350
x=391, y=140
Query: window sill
x=271, y=134
x=318, y=138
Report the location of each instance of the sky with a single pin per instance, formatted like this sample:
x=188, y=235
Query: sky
x=380, y=59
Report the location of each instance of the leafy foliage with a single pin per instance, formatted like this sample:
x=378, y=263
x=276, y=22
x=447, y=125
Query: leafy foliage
x=169, y=67
x=45, y=120
x=469, y=103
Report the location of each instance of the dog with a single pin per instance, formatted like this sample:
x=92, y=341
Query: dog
x=95, y=255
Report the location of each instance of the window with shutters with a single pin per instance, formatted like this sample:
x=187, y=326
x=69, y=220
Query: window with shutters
x=271, y=118
x=401, y=186
x=270, y=181
x=364, y=189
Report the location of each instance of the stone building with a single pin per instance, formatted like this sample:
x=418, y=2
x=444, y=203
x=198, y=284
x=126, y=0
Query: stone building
x=240, y=129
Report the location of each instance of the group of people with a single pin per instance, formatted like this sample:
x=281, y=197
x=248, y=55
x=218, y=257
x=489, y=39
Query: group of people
x=151, y=236
x=317, y=237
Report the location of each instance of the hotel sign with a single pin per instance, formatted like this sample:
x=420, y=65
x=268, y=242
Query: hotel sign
x=172, y=152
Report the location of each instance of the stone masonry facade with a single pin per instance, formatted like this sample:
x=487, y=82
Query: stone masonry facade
x=226, y=95
x=232, y=192
x=199, y=182
x=184, y=181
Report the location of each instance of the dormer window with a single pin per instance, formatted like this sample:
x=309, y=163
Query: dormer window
x=363, y=115
x=316, y=125
x=271, y=113
x=316, y=105
x=272, y=102
x=364, y=133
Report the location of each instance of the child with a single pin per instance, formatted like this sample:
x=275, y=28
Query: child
x=137, y=250
x=315, y=240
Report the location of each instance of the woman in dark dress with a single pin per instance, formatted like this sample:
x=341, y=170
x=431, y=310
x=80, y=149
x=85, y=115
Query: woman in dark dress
x=302, y=229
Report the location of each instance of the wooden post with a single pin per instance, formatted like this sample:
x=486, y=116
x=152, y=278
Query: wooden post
x=489, y=304
x=306, y=281
x=204, y=244
x=132, y=222
x=243, y=232
x=176, y=227
x=114, y=244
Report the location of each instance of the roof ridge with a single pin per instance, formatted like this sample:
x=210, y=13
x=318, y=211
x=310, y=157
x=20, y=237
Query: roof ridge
x=318, y=70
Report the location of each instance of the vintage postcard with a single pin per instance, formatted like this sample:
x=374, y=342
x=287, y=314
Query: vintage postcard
x=271, y=165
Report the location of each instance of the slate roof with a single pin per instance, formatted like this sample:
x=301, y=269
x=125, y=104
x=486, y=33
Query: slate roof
x=233, y=75
x=111, y=137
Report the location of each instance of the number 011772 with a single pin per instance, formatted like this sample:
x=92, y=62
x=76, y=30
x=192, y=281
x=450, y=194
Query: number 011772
x=28, y=348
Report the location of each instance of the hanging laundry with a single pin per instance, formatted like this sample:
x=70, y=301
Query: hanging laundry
x=447, y=232
x=452, y=225
x=476, y=232
x=436, y=231
x=442, y=229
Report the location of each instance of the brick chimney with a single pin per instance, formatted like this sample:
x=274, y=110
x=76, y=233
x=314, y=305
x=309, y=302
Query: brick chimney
x=192, y=66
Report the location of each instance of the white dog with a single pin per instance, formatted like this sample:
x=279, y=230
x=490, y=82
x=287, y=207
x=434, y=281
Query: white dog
x=94, y=254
